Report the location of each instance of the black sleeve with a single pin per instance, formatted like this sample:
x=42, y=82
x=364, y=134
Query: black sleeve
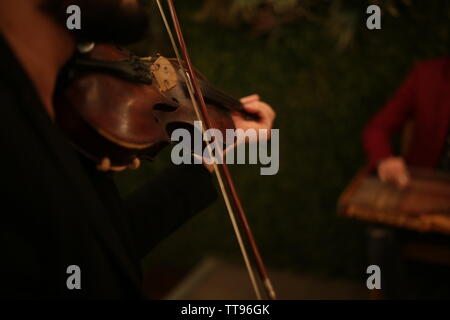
x=165, y=203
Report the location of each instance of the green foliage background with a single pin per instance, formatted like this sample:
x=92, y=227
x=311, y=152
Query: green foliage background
x=323, y=97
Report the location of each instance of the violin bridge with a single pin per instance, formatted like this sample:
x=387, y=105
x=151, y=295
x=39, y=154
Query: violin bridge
x=164, y=73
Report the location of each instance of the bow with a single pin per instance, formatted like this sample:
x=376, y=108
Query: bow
x=228, y=190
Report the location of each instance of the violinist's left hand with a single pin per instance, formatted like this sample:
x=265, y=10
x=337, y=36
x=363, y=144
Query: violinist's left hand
x=265, y=115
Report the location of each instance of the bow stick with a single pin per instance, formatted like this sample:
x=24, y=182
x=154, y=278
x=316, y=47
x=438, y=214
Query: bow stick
x=221, y=170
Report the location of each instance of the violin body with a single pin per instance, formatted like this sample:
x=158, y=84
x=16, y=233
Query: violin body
x=117, y=106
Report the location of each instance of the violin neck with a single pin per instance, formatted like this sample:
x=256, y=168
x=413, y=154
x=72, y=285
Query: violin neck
x=216, y=96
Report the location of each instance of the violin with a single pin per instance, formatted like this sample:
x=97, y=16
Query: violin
x=117, y=108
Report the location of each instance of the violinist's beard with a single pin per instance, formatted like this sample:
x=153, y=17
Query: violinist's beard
x=112, y=21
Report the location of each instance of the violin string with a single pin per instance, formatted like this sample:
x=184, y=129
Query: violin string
x=215, y=166
x=214, y=93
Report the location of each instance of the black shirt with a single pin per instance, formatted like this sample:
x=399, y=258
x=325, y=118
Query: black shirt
x=58, y=210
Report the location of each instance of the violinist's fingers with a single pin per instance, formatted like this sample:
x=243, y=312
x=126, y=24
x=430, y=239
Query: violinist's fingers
x=104, y=165
x=253, y=108
x=265, y=119
x=249, y=99
x=262, y=110
x=135, y=164
x=118, y=169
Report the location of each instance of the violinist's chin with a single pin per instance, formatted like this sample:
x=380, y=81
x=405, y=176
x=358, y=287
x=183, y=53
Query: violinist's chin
x=116, y=21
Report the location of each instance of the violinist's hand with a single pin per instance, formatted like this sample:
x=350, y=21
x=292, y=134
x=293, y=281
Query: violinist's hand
x=265, y=114
x=394, y=170
x=264, y=120
x=105, y=165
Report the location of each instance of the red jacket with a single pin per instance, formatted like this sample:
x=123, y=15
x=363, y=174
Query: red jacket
x=424, y=97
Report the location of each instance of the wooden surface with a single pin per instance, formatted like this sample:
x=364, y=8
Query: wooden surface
x=424, y=206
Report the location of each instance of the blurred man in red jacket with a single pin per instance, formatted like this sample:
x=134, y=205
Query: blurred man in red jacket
x=424, y=98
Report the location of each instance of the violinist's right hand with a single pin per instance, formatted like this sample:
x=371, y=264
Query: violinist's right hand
x=394, y=170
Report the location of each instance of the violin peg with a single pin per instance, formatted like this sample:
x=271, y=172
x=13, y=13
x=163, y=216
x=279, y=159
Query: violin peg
x=104, y=165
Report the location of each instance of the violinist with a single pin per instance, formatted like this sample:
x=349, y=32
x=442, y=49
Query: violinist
x=59, y=210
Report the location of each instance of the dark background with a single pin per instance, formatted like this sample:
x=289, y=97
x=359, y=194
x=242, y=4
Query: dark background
x=325, y=74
